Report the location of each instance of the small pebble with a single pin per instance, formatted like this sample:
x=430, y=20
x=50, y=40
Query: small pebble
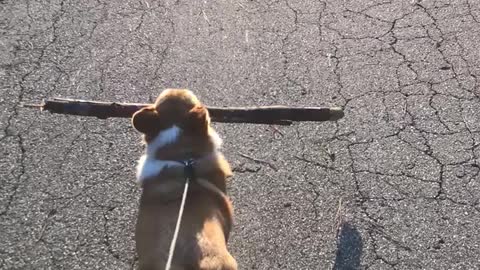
x=460, y=172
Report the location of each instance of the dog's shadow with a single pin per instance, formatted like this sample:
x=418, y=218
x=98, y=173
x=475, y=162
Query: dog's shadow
x=349, y=248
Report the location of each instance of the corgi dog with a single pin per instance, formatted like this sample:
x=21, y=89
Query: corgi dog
x=176, y=128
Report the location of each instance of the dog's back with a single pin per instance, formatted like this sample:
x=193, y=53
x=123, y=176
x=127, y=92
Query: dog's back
x=201, y=243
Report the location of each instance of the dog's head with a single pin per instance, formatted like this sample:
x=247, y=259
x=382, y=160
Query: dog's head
x=177, y=126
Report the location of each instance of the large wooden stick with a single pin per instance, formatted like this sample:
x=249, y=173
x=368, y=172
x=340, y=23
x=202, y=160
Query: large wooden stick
x=280, y=115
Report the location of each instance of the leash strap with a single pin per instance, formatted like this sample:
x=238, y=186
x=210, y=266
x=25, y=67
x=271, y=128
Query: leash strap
x=189, y=174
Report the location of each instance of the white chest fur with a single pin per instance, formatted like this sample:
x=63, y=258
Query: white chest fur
x=148, y=166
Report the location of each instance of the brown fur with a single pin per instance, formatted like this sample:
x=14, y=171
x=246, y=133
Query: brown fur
x=207, y=218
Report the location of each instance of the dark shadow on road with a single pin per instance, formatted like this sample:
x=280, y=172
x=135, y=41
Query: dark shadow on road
x=349, y=248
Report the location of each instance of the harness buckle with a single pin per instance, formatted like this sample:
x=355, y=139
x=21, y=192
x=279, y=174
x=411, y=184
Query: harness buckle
x=188, y=170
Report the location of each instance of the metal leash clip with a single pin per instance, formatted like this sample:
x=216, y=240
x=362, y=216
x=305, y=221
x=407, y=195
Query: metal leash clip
x=189, y=171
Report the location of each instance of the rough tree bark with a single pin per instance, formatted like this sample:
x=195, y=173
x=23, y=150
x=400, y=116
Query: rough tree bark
x=280, y=115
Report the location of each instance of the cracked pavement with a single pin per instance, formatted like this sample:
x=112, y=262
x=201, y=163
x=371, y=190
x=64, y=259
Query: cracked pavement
x=395, y=184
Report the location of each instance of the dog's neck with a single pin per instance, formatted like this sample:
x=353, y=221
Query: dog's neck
x=149, y=167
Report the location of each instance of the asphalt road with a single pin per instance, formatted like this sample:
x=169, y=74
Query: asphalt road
x=395, y=184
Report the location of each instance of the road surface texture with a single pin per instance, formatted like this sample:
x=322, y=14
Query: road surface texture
x=395, y=184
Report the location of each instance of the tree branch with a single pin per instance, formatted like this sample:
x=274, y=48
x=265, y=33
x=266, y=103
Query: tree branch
x=280, y=115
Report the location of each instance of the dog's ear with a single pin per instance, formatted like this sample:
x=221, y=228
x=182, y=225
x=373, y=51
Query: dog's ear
x=145, y=120
x=197, y=120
